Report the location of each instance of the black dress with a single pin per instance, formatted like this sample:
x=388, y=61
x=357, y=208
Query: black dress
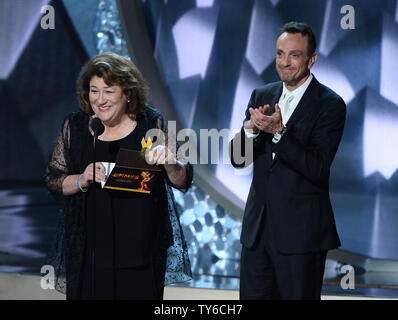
x=125, y=224
x=139, y=243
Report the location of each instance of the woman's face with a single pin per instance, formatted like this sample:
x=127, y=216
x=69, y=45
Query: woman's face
x=107, y=102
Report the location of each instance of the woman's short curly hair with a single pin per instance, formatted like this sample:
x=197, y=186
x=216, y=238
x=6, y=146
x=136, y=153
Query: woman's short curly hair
x=114, y=70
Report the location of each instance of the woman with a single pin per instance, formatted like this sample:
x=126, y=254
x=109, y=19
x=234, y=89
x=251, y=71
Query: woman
x=115, y=244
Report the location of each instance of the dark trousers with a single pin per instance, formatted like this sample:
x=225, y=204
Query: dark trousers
x=266, y=274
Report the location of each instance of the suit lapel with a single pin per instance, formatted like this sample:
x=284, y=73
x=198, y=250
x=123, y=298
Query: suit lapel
x=304, y=106
x=271, y=98
x=275, y=95
x=275, y=98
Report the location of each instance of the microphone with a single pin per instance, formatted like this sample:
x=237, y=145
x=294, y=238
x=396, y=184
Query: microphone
x=97, y=127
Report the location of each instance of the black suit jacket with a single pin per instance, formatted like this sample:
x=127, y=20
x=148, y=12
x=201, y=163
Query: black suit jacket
x=292, y=190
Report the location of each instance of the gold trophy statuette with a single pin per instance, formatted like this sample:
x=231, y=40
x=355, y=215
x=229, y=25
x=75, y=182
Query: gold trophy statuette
x=145, y=145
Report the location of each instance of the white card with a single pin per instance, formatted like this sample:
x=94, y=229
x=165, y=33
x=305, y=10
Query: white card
x=108, y=169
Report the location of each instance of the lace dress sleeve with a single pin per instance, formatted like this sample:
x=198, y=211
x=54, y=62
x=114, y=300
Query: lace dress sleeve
x=173, y=145
x=59, y=162
x=178, y=266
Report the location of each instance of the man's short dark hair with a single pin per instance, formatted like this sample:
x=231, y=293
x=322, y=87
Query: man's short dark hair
x=305, y=30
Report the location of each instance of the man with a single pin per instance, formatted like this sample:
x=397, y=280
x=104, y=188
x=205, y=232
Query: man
x=296, y=125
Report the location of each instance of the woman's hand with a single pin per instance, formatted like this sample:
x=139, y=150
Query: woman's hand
x=176, y=171
x=160, y=155
x=87, y=176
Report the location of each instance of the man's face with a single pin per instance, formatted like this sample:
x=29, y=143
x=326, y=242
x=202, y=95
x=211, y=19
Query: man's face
x=292, y=61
